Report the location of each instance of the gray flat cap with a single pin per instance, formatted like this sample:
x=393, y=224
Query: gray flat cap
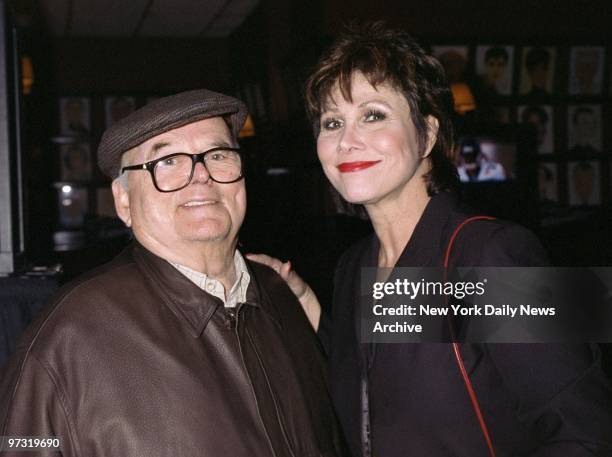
x=165, y=114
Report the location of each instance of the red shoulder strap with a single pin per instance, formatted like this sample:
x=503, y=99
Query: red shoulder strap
x=456, y=349
x=456, y=232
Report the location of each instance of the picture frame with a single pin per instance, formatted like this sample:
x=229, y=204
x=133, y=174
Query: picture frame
x=584, y=129
x=586, y=70
x=548, y=183
x=538, y=66
x=454, y=59
x=75, y=161
x=542, y=117
x=495, y=67
x=583, y=178
x=75, y=116
x=117, y=107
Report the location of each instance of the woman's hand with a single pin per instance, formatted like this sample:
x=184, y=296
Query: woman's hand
x=302, y=291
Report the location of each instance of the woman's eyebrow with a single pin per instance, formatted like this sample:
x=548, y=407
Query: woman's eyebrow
x=374, y=100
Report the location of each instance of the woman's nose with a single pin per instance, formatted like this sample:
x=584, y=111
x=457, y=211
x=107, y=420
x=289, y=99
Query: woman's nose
x=349, y=139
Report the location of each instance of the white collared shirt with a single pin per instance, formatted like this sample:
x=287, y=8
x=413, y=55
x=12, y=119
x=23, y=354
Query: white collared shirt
x=214, y=287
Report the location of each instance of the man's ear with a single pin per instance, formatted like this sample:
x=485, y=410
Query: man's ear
x=432, y=134
x=122, y=202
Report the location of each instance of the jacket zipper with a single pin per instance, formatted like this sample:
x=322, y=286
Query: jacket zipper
x=278, y=416
x=232, y=321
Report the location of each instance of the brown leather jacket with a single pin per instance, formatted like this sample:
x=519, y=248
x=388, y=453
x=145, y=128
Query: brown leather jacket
x=135, y=360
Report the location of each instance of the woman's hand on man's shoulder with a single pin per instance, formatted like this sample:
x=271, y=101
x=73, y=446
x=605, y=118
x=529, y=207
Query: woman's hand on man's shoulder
x=303, y=292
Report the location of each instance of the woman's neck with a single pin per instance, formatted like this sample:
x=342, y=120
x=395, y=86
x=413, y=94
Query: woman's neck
x=394, y=222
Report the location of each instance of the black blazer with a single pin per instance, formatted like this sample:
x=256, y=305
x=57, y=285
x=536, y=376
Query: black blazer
x=537, y=399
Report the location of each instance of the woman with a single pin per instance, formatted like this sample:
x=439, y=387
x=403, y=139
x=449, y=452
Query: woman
x=381, y=114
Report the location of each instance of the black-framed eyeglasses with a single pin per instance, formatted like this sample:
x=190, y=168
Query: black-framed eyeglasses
x=175, y=171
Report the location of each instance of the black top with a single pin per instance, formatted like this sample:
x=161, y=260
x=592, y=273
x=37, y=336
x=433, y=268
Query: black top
x=537, y=399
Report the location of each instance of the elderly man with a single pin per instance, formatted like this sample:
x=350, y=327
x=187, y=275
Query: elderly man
x=178, y=347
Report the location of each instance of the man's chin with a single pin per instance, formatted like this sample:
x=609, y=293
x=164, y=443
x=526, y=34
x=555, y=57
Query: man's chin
x=208, y=232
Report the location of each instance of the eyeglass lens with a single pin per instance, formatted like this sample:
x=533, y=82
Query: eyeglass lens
x=175, y=171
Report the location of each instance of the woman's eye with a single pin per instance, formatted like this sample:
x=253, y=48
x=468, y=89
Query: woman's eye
x=331, y=124
x=372, y=116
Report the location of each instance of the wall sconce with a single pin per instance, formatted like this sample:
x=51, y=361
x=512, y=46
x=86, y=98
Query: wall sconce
x=27, y=74
x=463, y=97
x=248, y=129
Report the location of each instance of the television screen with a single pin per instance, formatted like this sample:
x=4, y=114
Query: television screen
x=485, y=158
x=497, y=170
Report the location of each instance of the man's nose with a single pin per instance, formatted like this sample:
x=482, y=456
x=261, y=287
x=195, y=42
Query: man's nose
x=200, y=173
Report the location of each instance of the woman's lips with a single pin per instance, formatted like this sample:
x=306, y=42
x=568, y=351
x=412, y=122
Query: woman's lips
x=349, y=167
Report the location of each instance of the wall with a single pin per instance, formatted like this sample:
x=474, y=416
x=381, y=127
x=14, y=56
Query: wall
x=127, y=65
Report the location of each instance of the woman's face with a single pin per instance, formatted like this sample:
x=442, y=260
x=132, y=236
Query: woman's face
x=368, y=147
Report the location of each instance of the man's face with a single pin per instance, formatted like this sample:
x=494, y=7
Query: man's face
x=495, y=68
x=204, y=211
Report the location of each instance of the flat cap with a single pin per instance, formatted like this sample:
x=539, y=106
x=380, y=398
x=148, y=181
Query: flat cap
x=165, y=114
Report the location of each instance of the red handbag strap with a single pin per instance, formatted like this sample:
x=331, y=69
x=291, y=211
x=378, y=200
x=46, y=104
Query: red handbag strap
x=457, y=350
x=456, y=232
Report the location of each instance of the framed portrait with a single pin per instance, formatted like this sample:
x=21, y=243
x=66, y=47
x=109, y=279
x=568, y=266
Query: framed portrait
x=72, y=204
x=584, y=129
x=494, y=65
x=548, y=183
x=586, y=70
x=75, y=161
x=75, y=117
x=537, y=71
x=583, y=179
x=454, y=59
x=105, y=204
x=116, y=108
x=541, y=117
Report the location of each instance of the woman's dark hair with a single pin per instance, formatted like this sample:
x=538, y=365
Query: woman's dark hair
x=385, y=55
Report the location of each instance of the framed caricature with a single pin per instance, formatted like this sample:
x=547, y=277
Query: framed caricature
x=75, y=161
x=586, y=70
x=584, y=129
x=494, y=67
x=116, y=108
x=541, y=117
x=537, y=71
x=75, y=119
x=583, y=183
x=548, y=183
x=454, y=59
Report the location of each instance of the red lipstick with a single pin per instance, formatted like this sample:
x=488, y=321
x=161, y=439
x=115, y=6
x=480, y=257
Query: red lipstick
x=349, y=167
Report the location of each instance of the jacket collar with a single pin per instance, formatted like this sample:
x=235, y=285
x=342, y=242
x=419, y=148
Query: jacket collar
x=191, y=305
x=427, y=240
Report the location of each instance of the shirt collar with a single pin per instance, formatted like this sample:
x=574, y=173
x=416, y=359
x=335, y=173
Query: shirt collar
x=192, y=305
x=236, y=294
